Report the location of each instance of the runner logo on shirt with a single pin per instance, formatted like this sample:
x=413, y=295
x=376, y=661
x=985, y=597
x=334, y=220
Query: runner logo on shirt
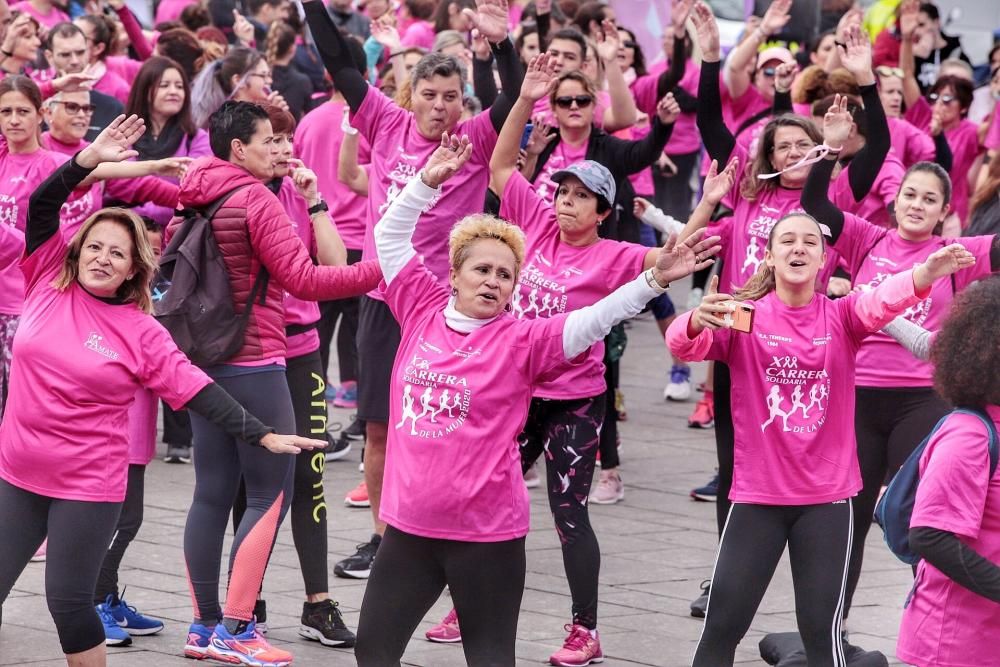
x=94, y=342
x=758, y=232
x=8, y=210
x=917, y=313
x=400, y=175
x=536, y=295
x=798, y=396
x=434, y=404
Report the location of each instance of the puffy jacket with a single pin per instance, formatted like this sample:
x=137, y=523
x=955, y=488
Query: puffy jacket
x=253, y=230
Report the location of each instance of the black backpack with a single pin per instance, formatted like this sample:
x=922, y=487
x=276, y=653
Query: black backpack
x=196, y=302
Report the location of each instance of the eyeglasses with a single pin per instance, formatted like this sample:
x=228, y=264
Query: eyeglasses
x=72, y=108
x=262, y=75
x=628, y=44
x=885, y=70
x=803, y=146
x=566, y=102
x=934, y=97
x=769, y=71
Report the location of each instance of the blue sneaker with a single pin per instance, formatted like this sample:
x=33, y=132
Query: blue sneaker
x=130, y=620
x=113, y=635
x=330, y=393
x=679, y=387
x=707, y=493
x=198, y=640
x=246, y=648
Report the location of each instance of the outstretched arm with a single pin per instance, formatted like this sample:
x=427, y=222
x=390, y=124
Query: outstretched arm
x=335, y=54
x=717, y=185
x=912, y=336
x=622, y=113
x=737, y=69
x=816, y=193
x=856, y=56
x=719, y=141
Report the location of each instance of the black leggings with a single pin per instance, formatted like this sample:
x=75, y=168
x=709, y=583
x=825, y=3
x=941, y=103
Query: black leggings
x=176, y=426
x=345, y=310
x=129, y=522
x=219, y=462
x=889, y=424
x=486, y=580
x=305, y=382
x=79, y=533
x=725, y=440
x=567, y=432
x=819, y=543
x=609, y=431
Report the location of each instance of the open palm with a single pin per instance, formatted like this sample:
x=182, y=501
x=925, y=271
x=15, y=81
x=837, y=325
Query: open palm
x=856, y=55
x=490, y=18
x=539, y=78
x=114, y=143
x=677, y=260
x=447, y=159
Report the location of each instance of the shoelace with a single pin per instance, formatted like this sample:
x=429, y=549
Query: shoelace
x=578, y=637
x=105, y=616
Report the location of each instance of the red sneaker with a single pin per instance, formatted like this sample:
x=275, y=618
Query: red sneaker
x=358, y=497
x=703, y=415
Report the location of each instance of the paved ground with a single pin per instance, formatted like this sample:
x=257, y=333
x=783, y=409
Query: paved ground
x=657, y=547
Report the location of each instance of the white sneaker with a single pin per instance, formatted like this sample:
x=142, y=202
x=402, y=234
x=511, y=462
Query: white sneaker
x=609, y=489
x=679, y=387
x=531, y=478
x=694, y=297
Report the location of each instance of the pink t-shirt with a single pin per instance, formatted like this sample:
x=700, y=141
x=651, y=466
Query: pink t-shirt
x=563, y=156
x=871, y=255
x=399, y=152
x=559, y=278
x=49, y=20
x=945, y=623
x=78, y=363
x=456, y=406
x=793, y=392
x=992, y=140
x=170, y=10
x=875, y=205
x=299, y=311
x=11, y=246
x=114, y=85
x=685, y=137
x=317, y=142
x=909, y=144
x=419, y=33
x=965, y=148
x=142, y=428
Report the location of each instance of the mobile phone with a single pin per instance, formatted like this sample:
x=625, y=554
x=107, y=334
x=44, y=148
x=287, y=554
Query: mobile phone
x=527, y=135
x=741, y=319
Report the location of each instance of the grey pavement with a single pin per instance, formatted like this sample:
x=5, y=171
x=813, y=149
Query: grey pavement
x=657, y=546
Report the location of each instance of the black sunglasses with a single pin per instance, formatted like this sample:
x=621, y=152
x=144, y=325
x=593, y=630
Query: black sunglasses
x=769, y=71
x=566, y=101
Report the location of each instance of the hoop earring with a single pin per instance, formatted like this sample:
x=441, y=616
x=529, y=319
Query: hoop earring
x=454, y=291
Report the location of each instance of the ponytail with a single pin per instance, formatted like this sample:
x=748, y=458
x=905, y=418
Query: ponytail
x=280, y=40
x=760, y=285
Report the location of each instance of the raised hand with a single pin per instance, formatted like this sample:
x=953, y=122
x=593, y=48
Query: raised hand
x=677, y=260
x=784, y=75
x=480, y=47
x=944, y=262
x=305, y=180
x=718, y=184
x=114, y=143
x=243, y=29
x=712, y=311
x=608, y=42
x=707, y=31
x=679, y=13
x=446, y=159
x=667, y=110
x=936, y=125
x=275, y=98
x=540, y=137
x=856, y=55
x=837, y=123
x=72, y=83
x=490, y=18
x=289, y=444
x=639, y=206
x=909, y=15
x=539, y=79
x=776, y=17
x=851, y=17
x=385, y=33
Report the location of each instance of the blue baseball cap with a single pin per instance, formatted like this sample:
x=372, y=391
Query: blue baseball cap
x=594, y=175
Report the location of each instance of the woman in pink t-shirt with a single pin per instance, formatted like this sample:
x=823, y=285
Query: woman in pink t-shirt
x=909, y=144
x=796, y=467
x=896, y=403
x=461, y=389
x=86, y=344
x=952, y=616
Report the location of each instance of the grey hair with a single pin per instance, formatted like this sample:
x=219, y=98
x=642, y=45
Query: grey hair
x=437, y=64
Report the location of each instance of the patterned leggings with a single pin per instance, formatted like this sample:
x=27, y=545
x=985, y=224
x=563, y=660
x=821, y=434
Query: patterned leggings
x=568, y=434
x=8, y=327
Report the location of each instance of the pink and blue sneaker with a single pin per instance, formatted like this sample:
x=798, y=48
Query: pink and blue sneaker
x=245, y=648
x=197, y=641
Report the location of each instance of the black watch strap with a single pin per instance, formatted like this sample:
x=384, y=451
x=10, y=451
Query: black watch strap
x=321, y=206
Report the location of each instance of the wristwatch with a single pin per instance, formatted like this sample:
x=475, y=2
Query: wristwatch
x=319, y=208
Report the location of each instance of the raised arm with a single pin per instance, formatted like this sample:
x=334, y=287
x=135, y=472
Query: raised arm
x=717, y=186
x=394, y=232
x=622, y=113
x=484, y=84
x=136, y=37
x=670, y=78
x=335, y=54
x=349, y=170
x=384, y=32
x=738, y=65
x=719, y=141
x=816, y=193
x=908, y=17
x=490, y=18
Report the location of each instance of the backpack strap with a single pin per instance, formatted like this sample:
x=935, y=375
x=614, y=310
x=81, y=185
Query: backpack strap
x=994, y=438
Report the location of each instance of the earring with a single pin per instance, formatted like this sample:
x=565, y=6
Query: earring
x=454, y=291
x=509, y=308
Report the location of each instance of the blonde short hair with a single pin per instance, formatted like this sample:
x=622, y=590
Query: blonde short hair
x=480, y=226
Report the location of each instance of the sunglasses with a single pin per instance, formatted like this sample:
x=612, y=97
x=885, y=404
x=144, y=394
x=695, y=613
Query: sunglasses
x=885, y=70
x=934, y=97
x=566, y=102
x=72, y=108
x=628, y=44
x=769, y=71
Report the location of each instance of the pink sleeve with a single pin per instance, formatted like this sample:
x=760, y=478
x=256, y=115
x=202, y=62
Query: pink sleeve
x=992, y=140
x=376, y=111
x=685, y=348
x=43, y=264
x=146, y=189
x=520, y=204
x=644, y=92
x=200, y=146
x=954, y=478
x=414, y=291
x=134, y=32
x=919, y=115
x=980, y=247
x=920, y=147
x=165, y=370
x=876, y=308
x=11, y=245
x=856, y=240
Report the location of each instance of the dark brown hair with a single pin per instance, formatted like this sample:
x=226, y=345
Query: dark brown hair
x=18, y=83
x=966, y=352
x=962, y=88
x=140, y=98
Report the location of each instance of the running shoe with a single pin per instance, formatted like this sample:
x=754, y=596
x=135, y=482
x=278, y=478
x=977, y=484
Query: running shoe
x=113, y=635
x=703, y=415
x=609, y=489
x=356, y=431
x=700, y=604
x=447, y=631
x=260, y=616
x=694, y=297
x=531, y=478
x=197, y=641
x=708, y=493
x=336, y=447
x=178, y=454
x=358, y=496
x=359, y=566
x=347, y=396
x=130, y=620
x=246, y=648
x=322, y=622
x=679, y=387
x=39, y=556
x=330, y=393
x=580, y=648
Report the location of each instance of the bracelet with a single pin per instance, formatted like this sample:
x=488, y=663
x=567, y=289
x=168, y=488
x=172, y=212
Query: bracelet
x=320, y=207
x=653, y=284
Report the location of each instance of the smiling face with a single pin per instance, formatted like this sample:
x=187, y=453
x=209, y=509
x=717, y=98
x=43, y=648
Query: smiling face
x=105, y=259
x=570, y=107
x=795, y=252
x=485, y=280
x=19, y=120
x=257, y=85
x=437, y=104
x=920, y=205
x=576, y=212
x=791, y=144
x=68, y=116
x=763, y=79
x=626, y=54
x=890, y=91
x=168, y=96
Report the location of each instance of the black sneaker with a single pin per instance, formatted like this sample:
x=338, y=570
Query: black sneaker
x=356, y=431
x=322, y=622
x=336, y=448
x=178, y=454
x=260, y=615
x=700, y=604
x=359, y=566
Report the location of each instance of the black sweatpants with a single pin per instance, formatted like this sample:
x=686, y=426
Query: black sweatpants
x=725, y=440
x=889, y=424
x=568, y=432
x=219, y=462
x=346, y=311
x=819, y=543
x=129, y=522
x=486, y=580
x=308, y=510
x=79, y=533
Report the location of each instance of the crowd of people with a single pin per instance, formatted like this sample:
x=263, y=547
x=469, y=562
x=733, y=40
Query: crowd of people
x=465, y=200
